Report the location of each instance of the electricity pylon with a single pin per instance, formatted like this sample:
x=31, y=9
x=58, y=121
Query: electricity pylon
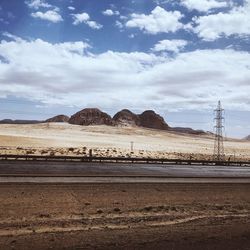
x=218, y=140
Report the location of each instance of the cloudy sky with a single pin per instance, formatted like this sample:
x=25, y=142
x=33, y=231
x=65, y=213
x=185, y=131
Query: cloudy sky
x=176, y=57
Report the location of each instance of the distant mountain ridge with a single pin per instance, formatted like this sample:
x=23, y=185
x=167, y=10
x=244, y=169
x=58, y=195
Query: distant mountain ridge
x=247, y=138
x=188, y=130
x=10, y=121
x=125, y=117
x=58, y=118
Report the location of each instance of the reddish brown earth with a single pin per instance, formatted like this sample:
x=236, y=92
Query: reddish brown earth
x=125, y=216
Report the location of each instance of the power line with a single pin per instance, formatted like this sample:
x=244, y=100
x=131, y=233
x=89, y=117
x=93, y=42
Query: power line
x=218, y=140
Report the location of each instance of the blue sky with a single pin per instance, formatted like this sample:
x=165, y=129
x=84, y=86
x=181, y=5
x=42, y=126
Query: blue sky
x=176, y=57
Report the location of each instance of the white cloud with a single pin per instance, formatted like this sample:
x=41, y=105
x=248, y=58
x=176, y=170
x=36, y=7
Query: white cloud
x=201, y=77
x=85, y=18
x=235, y=22
x=123, y=17
x=80, y=18
x=66, y=73
x=204, y=5
x=49, y=15
x=118, y=24
x=36, y=4
x=60, y=73
x=170, y=45
x=11, y=36
x=110, y=12
x=159, y=20
x=71, y=8
x=94, y=25
x=159, y=2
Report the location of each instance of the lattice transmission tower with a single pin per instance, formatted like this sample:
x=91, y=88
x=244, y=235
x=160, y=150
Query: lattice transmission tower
x=218, y=140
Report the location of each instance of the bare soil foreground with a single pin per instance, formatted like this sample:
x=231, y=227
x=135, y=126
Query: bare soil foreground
x=67, y=139
x=125, y=216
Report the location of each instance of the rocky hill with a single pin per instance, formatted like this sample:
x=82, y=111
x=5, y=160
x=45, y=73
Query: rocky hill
x=58, y=118
x=91, y=116
x=149, y=119
x=247, y=138
x=126, y=118
x=188, y=130
x=94, y=116
x=10, y=121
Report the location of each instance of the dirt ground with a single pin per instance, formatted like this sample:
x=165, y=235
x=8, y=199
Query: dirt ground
x=67, y=139
x=124, y=216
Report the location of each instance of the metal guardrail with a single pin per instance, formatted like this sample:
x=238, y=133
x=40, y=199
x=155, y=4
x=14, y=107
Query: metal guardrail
x=95, y=159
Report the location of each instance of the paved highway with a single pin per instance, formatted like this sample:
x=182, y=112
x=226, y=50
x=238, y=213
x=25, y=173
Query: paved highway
x=115, y=179
x=25, y=169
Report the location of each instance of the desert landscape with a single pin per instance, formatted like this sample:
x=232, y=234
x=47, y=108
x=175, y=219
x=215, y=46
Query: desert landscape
x=64, y=205
x=125, y=216
x=67, y=139
x=124, y=125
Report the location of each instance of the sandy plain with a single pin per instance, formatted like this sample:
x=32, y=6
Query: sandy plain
x=66, y=139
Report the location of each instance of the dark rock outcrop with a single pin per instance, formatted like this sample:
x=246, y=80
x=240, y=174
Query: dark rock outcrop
x=188, y=131
x=126, y=118
x=91, y=116
x=94, y=116
x=58, y=118
x=10, y=121
x=247, y=138
x=149, y=119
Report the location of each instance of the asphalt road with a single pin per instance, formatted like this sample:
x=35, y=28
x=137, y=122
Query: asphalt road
x=12, y=171
x=114, y=179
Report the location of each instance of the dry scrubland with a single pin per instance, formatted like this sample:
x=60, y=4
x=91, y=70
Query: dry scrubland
x=125, y=216
x=66, y=139
x=120, y=216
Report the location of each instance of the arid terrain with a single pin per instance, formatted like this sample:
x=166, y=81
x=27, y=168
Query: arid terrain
x=57, y=215
x=66, y=139
x=124, y=216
